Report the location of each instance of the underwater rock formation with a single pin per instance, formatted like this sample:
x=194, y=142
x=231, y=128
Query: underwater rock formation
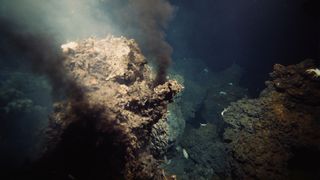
x=176, y=121
x=207, y=156
x=200, y=105
x=118, y=128
x=276, y=136
x=297, y=82
x=206, y=92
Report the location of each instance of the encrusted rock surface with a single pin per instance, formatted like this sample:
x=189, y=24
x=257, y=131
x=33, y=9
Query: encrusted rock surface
x=206, y=95
x=206, y=153
x=265, y=134
x=122, y=122
x=297, y=82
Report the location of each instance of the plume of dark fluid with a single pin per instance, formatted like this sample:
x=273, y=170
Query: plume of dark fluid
x=42, y=55
x=77, y=149
x=151, y=18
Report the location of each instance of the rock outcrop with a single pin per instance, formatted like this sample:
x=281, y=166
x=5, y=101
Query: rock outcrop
x=276, y=136
x=206, y=95
x=119, y=126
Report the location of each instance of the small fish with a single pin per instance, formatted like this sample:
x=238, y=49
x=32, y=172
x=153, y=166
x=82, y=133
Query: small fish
x=203, y=125
x=205, y=70
x=222, y=93
x=185, y=153
x=230, y=84
x=224, y=110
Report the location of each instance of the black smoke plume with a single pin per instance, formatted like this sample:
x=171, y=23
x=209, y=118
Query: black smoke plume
x=76, y=152
x=151, y=18
x=31, y=40
x=142, y=20
x=41, y=54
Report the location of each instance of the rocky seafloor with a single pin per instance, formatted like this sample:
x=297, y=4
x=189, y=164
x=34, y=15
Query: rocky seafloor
x=274, y=136
x=112, y=122
x=120, y=129
x=116, y=123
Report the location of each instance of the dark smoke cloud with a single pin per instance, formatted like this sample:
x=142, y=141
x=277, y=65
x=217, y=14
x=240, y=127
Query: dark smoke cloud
x=148, y=20
x=33, y=30
x=77, y=150
x=41, y=54
x=142, y=20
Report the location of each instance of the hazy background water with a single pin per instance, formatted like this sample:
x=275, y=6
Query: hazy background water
x=253, y=33
x=206, y=35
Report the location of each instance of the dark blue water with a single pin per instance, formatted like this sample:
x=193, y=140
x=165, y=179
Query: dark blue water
x=255, y=34
x=223, y=51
